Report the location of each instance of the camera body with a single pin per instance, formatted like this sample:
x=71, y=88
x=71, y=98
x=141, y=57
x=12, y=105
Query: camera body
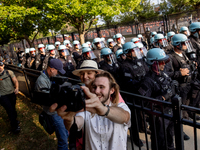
x=62, y=93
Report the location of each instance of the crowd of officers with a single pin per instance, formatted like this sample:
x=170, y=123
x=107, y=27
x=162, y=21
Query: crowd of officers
x=158, y=65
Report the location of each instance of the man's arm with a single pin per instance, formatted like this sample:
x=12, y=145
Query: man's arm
x=14, y=79
x=118, y=115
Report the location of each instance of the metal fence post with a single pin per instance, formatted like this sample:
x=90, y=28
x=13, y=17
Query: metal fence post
x=178, y=127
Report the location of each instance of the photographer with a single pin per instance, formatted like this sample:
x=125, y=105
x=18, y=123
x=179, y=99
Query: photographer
x=55, y=67
x=102, y=108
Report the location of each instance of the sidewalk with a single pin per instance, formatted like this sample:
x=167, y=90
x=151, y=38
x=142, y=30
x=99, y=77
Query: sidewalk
x=188, y=145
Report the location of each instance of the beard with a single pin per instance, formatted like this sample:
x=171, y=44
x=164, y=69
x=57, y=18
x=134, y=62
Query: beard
x=105, y=97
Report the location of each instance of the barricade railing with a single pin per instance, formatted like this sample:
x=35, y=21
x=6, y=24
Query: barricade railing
x=138, y=105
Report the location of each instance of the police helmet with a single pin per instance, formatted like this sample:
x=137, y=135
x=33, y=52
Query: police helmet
x=158, y=37
x=153, y=33
x=156, y=54
x=194, y=26
x=118, y=35
x=62, y=47
x=178, y=38
x=139, y=36
x=41, y=46
x=184, y=28
x=134, y=40
x=96, y=40
x=118, y=53
x=76, y=42
x=57, y=43
x=86, y=49
x=50, y=47
x=31, y=49
x=139, y=45
x=127, y=46
x=85, y=45
x=169, y=34
x=106, y=51
x=66, y=42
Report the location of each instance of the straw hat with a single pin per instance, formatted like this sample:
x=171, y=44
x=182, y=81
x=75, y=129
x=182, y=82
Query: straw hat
x=87, y=65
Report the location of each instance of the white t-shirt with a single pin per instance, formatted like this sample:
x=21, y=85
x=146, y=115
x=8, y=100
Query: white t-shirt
x=103, y=134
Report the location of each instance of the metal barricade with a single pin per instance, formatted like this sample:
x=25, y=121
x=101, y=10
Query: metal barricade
x=138, y=105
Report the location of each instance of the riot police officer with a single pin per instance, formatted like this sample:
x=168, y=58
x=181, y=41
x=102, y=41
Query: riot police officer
x=68, y=62
x=184, y=30
x=140, y=37
x=161, y=42
x=169, y=37
x=89, y=44
x=135, y=40
x=121, y=57
x=98, y=45
x=157, y=84
x=152, y=39
x=143, y=50
x=40, y=57
x=87, y=54
x=109, y=63
x=120, y=41
x=68, y=45
x=134, y=70
x=184, y=72
x=51, y=54
x=194, y=38
x=111, y=43
x=31, y=59
x=77, y=52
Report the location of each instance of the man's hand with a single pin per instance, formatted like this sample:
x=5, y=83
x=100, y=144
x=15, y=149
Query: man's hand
x=68, y=117
x=184, y=71
x=93, y=103
x=16, y=91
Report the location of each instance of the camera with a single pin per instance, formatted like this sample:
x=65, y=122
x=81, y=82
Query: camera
x=62, y=93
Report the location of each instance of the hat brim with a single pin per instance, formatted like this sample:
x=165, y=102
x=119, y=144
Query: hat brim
x=62, y=71
x=77, y=72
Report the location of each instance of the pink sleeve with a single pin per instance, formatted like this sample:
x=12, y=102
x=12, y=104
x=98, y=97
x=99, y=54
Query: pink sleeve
x=120, y=99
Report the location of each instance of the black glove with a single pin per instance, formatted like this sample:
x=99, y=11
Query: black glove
x=168, y=94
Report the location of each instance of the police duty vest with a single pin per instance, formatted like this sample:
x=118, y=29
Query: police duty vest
x=137, y=70
x=184, y=63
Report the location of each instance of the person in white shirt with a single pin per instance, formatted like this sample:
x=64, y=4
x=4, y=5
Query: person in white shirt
x=106, y=120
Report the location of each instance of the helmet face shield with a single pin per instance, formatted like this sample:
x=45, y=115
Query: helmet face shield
x=121, y=39
x=65, y=52
x=165, y=43
x=113, y=43
x=89, y=55
x=68, y=45
x=33, y=53
x=111, y=58
x=143, y=51
x=137, y=52
x=79, y=46
x=41, y=50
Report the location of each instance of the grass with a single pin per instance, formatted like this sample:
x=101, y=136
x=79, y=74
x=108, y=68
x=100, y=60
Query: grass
x=32, y=135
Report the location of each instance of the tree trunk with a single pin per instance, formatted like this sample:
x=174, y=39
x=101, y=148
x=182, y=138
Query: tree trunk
x=82, y=37
x=143, y=27
x=29, y=42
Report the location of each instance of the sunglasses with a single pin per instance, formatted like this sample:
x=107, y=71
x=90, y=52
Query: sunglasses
x=161, y=62
x=41, y=48
x=33, y=51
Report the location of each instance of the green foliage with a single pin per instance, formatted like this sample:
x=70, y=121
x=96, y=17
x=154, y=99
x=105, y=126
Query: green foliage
x=21, y=19
x=81, y=14
x=142, y=13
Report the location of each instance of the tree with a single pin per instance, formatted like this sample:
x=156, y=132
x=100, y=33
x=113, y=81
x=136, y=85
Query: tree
x=81, y=14
x=21, y=19
x=141, y=13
